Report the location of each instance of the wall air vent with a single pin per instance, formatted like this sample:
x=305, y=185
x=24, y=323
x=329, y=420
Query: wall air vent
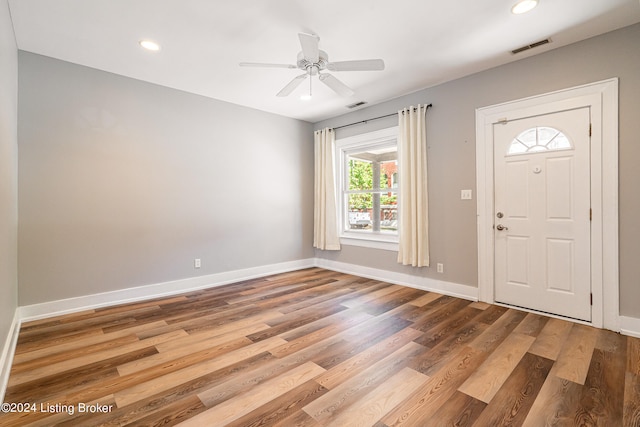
x=357, y=104
x=531, y=46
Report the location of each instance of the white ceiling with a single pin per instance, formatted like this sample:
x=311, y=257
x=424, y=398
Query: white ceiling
x=423, y=42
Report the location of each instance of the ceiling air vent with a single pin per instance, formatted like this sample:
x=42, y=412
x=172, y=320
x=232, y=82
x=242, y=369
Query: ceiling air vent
x=531, y=46
x=357, y=104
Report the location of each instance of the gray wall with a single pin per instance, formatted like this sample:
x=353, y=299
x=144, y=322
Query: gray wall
x=451, y=141
x=123, y=183
x=8, y=173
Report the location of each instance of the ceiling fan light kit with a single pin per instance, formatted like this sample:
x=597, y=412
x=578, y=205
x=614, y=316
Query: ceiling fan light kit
x=313, y=62
x=149, y=45
x=523, y=6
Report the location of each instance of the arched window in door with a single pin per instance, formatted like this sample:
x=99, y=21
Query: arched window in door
x=539, y=139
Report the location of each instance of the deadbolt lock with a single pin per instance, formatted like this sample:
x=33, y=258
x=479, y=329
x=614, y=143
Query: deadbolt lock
x=499, y=214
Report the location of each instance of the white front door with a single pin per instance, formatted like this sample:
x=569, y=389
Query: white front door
x=542, y=213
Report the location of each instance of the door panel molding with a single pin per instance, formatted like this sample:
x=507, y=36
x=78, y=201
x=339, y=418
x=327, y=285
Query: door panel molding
x=602, y=98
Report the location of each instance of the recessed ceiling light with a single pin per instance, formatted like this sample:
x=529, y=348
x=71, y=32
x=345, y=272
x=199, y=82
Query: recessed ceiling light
x=524, y=6
x=150, y=45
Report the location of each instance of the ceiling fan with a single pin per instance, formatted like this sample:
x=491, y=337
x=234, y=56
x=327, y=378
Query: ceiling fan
x=314, y=62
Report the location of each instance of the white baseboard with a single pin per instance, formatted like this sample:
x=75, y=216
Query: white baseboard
x=123, y=296
x=630, y=326
x=418, y=282
x=8, y=350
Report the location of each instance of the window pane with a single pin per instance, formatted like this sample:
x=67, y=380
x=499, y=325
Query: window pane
x=528, y=137
x=360, y=202
x=389, y=174
x=372, y=168
x=389, y=216
x=539, y=139
x=360, y=174
x=361, y=215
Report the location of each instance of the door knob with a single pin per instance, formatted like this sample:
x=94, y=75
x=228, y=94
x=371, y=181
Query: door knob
x=501, y=227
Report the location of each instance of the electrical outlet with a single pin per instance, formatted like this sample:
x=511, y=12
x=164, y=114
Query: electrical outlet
x=466, y=194
x=197, y=263
x=440, y=267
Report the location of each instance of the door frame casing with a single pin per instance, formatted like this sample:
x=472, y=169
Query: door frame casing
x=602, y=99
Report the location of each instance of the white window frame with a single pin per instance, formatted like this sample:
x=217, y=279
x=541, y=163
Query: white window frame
x=343, y=147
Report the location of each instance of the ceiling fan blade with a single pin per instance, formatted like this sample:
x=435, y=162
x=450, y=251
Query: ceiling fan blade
x=292, y=85
x=336, y=85
x=309, y=45
x=358, y=65
x=260, y=64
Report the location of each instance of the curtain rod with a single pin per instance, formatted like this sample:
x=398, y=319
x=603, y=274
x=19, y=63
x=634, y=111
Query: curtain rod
x=376, y=118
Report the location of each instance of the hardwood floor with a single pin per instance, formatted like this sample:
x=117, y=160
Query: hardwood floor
x=320, y=348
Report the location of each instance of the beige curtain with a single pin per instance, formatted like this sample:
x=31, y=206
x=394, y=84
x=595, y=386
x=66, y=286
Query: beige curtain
x=413, y=201
x=325, y=213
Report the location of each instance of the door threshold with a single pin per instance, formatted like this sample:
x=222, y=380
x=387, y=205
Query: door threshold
x=544, y=313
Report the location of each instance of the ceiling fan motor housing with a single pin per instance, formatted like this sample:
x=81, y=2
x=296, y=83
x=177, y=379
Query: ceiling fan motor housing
x=313, y=67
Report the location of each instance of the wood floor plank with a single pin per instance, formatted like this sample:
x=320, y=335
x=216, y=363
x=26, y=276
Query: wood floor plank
x=185, y=356
x=69, y=347
x=328, y=331
x=173, y=413
x=575, y=356
x=426, y=299
x=441, y=331
x=284, y=407
x=603, y=394
x=460, y=410
x=47, y=358
x=149, y=388
x=480, y=305
x=360, y=338
x=83, y=376
x=420, y=408
x=433, y=360
x=101, y=320
x=76, y=362
x=485, y=382
x=361, y=361
x=491, y=314
x=298, y=419
x=231, y=410
x=131, y=414
x=551, y=339
x=435, y=319
x=556, y=404
x=245, y=380
x=531, y=325
x=352, y=389
x=26, y=346
x=219, y=336
x=379, y=401
x=631, y=415
x=316, y=347
x=511, y=405
x=338, y=318
x=498, y=331
x=383, y=289
x=631, y=407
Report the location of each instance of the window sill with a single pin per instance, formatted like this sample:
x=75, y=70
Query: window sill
x=369, y=242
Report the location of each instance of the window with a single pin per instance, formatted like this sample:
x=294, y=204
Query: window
x=368, y=189
x=539, y=139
